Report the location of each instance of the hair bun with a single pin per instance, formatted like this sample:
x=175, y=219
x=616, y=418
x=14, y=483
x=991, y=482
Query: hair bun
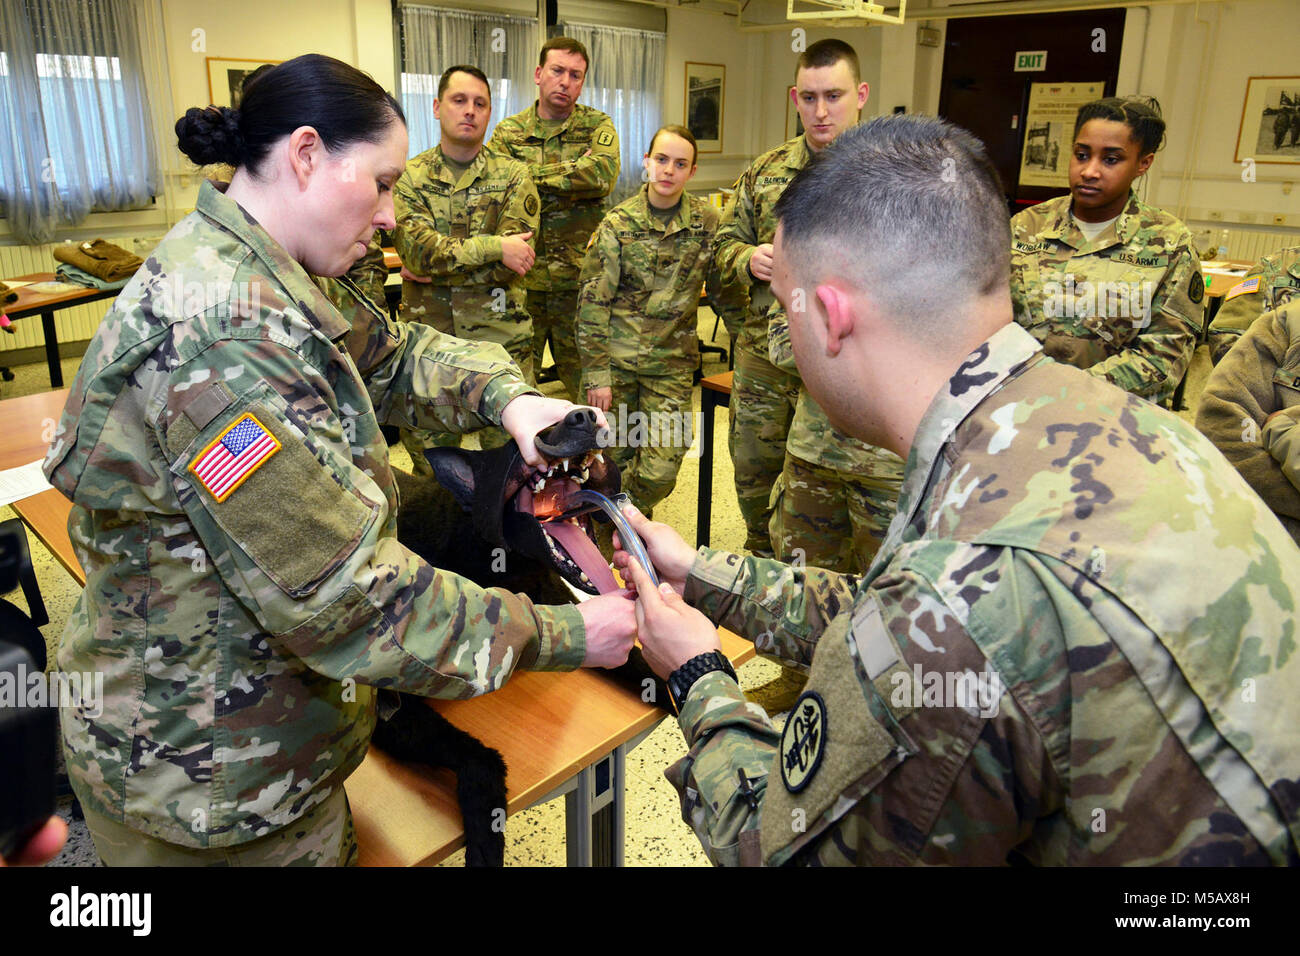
x=211, y=135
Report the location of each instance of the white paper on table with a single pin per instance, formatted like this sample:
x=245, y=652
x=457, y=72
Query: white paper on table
x=16, y=284
x=22, y=482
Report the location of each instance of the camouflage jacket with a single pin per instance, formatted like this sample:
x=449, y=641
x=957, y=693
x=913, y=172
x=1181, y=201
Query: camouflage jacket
x=640, y=293
x=574, y=167
x=748, y=221
x=1260, y=377
x=239, y=607
x=450, y=232
x=812, y=437
x=1126, y=306
x=1066, y=626
x=1270, y=284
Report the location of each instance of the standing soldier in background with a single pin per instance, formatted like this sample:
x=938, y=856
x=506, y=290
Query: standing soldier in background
x=636, y=329
x=834, y=495
x=572, y=153
x=465, y=216
x=1270, y=284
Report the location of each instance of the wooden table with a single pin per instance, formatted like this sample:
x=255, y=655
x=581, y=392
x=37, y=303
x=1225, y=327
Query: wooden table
x=560, y=733
x=45, y=304
x=715, y=390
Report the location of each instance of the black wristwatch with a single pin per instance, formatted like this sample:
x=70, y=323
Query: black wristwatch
x=683, y=679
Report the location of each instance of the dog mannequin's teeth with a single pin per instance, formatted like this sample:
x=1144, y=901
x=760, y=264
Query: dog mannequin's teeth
x=585, y=475
x=584, y=578
x=600, y=457
x=564, y=464
x=541, y=483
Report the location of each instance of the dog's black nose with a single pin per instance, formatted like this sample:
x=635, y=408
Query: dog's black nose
x=580, y=418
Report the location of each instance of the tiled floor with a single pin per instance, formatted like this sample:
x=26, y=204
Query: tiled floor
x=656, y=835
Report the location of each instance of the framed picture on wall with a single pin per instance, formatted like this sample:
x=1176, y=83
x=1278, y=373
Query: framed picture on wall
x=1270, y=121
x=705, y=83
x=226, y=79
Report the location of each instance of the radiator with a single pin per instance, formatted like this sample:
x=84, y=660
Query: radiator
x=1244, y=244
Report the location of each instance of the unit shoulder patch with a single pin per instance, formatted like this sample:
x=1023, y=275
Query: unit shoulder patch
x=1196, y=288
x=530, y=205
x=604, y=138
x=803, y=741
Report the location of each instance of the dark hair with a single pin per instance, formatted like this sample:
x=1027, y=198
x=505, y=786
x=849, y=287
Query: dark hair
x=828, y=53
x=471, y=70
x=568, y=44
x=1141, y=114
x=343, y=104
x=910, y=210
x=681, y=131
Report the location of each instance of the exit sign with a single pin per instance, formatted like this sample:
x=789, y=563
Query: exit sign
x=1030, y=60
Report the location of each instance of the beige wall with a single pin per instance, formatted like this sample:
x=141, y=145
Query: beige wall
x=706, y=38
x=1198, y=70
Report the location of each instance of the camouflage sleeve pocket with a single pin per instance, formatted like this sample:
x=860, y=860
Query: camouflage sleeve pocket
x=250, y=479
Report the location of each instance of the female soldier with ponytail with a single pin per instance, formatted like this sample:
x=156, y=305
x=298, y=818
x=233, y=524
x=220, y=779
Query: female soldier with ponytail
x=234, y=510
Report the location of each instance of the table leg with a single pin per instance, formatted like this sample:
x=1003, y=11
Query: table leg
x=595, y=813
x=704, y=498
x=52, y=349
x=577, y=821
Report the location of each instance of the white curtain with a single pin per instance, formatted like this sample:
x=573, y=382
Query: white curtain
x=75, y=127
x=503, y=47
x=625, y=80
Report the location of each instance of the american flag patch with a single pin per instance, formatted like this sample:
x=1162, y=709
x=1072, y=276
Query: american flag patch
x=234, y=455
x=1250, y=285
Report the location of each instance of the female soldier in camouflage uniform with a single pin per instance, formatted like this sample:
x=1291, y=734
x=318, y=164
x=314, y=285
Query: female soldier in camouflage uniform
x=1106, y=282
x=636, y=330
x=235, y=512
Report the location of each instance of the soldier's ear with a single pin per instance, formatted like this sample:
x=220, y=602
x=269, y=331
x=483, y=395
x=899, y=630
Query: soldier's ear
x=452, y=469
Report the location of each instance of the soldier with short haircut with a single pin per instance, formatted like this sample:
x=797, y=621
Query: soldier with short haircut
x=1076, y=645
x=1103, y=280
x=637, y=308
x=465, y=221
x=1270, y=284
x=571, y=151
x=834, y=495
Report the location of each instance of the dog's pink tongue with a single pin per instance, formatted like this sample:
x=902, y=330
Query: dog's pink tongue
x=584, y=553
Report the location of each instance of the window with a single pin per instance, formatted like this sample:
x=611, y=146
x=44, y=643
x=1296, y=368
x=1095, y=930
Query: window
x=78, y=131
x=504, y=48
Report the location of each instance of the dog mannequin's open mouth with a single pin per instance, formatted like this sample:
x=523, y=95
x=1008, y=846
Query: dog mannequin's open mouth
x=548, y=496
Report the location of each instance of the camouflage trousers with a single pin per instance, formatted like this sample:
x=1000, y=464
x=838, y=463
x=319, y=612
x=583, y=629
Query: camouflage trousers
x=762, y=406
x=515, y=336
x=653, y=422
x=321, y=837
x=833, y=519
x=555, y=314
